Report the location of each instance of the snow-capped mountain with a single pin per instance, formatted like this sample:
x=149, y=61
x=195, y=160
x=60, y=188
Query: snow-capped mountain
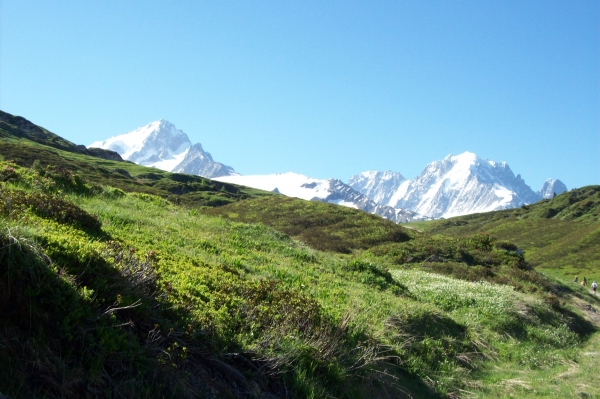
x=332, y=191
x=551, y=187
x=456, y=185
x=161, y=145
x=379, y=186
x=199, y=162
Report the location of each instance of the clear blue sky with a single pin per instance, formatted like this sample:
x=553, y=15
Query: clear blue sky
x=323, y=88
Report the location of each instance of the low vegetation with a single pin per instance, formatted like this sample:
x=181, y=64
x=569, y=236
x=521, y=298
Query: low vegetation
x=121, y=291
x=154, y=293
x=320, y=225
x=16, y=145
x=559, y=236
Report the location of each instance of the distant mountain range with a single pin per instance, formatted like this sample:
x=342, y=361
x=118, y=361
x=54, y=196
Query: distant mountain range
x=457, y=185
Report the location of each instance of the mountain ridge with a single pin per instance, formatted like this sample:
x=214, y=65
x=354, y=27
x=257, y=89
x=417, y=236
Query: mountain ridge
x=18, y=126
x=457, y=185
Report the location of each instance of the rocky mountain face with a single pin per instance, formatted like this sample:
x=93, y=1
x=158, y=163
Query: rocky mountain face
x=199, y=162
x=161, y=145
x=379, y=186
x=456, y=185
x=331, y=190
x=343, y=194
x=552, y=187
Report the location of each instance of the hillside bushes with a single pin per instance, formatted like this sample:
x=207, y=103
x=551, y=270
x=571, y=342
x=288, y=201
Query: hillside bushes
x=472, y=258
x=158, y=300
x=55, y=339
x=15, y=203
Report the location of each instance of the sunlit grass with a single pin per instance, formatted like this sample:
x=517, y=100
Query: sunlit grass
x=322, y=323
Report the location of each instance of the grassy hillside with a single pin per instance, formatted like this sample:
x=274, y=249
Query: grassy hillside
x=25, y=143
x=560, y=236
x=133, y=294
x=132, y=290
x=320, y=225
x=18, y=127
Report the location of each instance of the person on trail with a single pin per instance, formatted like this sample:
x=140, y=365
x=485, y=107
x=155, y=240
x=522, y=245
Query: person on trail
x=594, y=286
x=583, y=282
x=576, y=280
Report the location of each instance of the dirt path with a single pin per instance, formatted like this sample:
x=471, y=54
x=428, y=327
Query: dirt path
x=585, y=373
x=590, y=312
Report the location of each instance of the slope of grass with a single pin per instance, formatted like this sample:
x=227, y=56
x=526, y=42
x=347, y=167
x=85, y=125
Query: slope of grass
x=320, y=225
x=339, y=229
x=15, y=126
x=155, y=298
x=192, y=191
x=114, y=284
x=560, y=237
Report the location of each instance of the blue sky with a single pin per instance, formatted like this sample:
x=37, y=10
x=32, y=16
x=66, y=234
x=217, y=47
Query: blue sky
x=323, y=88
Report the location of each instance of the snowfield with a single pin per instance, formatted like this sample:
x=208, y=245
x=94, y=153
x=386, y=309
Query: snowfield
x=289, y=184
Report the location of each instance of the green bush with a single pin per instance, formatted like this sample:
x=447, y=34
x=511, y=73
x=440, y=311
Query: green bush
x=14, y=203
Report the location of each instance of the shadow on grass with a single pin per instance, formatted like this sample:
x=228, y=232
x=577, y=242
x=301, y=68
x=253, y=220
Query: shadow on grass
x=73, y=328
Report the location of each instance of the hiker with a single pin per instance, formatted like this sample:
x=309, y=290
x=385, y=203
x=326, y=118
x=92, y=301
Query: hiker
x=584, y=282
x=594, y=286
x=576, y=280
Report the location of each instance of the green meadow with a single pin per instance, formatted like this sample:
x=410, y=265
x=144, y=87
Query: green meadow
x=560, y=237
x=158, y=285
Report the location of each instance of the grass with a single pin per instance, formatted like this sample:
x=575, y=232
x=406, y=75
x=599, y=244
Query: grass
x=320, y=225
x=206, y=290
x=246, y=300
x=133, y=290
x=574, y=378
x=560, y=237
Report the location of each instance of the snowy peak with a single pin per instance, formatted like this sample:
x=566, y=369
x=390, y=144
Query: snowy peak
x=199, y=162
x=379, y=186
x=552, y=187
x=150, y=145
x=456, y=185
x=464, y=184
x=466, y=158
x=161, y=145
